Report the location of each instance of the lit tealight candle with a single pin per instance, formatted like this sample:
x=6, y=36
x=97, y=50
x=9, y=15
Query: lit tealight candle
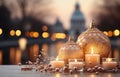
x=76, y=63
x=92, y=59
x=109, y=63
x=57, y=63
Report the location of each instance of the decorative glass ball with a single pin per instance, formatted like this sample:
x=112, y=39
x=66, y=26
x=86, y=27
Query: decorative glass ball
x=96, y=40
x=70, y=50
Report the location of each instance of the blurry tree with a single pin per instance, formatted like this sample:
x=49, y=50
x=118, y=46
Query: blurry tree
x=107, y=15
x=35, y=8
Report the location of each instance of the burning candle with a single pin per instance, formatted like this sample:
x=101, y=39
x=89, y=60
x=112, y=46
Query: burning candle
x=57, y=63
x=109, y=63
x=92, y=59
x=76, y=63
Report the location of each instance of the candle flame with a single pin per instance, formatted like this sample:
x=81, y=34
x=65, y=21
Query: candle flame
x=92, y=52
x=57, y=58
x=75, y=60
x=109, y=59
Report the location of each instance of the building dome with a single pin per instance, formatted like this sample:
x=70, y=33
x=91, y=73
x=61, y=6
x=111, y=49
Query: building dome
x=77, y=14
x=58, y=26
x=77, y=21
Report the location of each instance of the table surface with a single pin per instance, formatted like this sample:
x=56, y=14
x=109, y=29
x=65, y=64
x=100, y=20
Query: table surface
x=15, y=71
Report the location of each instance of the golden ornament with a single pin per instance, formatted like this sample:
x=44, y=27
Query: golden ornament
x=70, y=50
x=94, y=38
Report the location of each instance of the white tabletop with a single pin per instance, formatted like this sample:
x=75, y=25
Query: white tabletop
x=15, y=71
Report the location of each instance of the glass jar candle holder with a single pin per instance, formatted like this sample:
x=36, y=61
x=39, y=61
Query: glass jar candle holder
x=57, y=63
x=92, y=59
x=109, y=63
x=76, y=63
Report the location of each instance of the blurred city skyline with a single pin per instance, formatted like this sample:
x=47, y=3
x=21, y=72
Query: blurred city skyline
x=61, y=9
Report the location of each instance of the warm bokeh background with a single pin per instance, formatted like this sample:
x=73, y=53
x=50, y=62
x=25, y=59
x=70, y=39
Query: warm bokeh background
x=46, y=24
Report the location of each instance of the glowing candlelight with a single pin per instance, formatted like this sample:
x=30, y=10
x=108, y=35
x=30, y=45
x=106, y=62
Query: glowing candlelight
x=76, y=63
x=109, y=63
x=57, y=63
x=22, y=43
x=92, y=51
x=92, y=59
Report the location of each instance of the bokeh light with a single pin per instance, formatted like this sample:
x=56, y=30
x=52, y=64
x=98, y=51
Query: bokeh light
x=45, y=34
x=44, y=28
x=110, y=33
x=116, y=32
x=105, y=32
x=18, y=32
x=1, y=31
x=12, y=33
x=35, y=34
x=60, y=35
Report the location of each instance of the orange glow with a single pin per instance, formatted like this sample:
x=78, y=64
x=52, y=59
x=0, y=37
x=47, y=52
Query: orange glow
x=92, y=51
x=22, y=43
x=75, y=60
x=57, y=58
x=44, y=28
x=109, y=59
x=18, y=56
x=1, y=31
x=34, y=50
x=1, y=57
x=18, y=32
x=105, y=33
x=116, y=32
x=35, y=34
x=110, y=33
x=60, y=36
x=45, y=47
x=27, y=33
x=31, y=34
x=12, y=55
x=53, y=38
x=45, y=34
x=12, y=32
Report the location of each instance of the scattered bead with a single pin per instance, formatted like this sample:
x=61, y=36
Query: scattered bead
x=41, y=71
x=96, y=73
x=96, y=67
x=57, y=69
x=71, y=71
x=89, y=69
x=36, y=70
x=45, y=70
x=49, y=65
x=65, y=69
x=75, y=68
x=93, y=69
x=19, y=64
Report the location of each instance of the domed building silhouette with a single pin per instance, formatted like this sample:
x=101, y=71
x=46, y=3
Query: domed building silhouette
x=77, y=21
x=58, y=26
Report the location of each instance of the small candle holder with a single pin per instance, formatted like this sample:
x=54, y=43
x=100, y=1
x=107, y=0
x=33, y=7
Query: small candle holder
x=109, y=63
x=92, y=60
x=57, y=63
x=76, y=64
